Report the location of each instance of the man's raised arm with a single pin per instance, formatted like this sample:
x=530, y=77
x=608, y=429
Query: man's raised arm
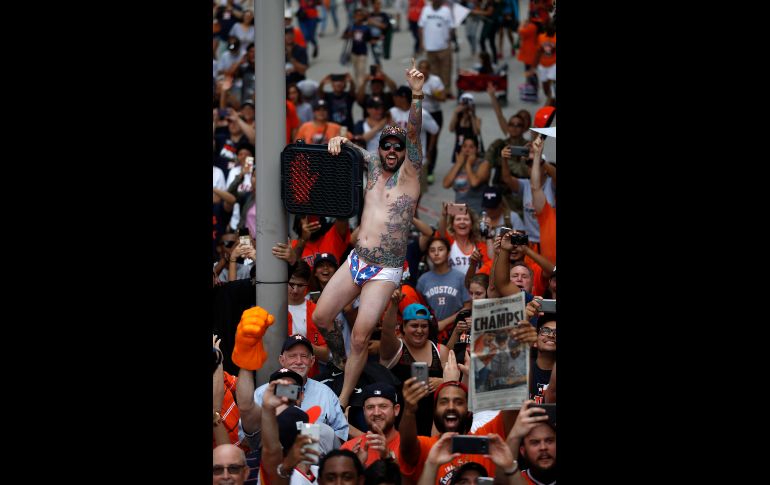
x=413, y=147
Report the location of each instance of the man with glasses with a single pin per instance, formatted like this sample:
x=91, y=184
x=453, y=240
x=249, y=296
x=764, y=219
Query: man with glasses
x=373, y=269
x=301, y=313
x=230, y=465
x=546, y=356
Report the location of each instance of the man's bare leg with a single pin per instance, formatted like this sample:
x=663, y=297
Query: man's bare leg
x=338, y=292
x=374, y=298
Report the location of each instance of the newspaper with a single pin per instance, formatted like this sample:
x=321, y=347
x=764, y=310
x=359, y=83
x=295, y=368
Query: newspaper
x=499, y=363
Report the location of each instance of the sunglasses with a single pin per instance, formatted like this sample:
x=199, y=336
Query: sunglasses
x=231, y=469
x=548, y=331
x=294, y=286
x=228, y=244
x=386, y=145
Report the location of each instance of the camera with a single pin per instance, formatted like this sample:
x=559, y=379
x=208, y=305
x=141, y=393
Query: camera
x=519, y=239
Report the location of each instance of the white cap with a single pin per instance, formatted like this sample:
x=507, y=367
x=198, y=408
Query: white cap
x=467, y=96
x=550, y=131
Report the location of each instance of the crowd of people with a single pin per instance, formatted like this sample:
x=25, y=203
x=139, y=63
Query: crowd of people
x=344, y=404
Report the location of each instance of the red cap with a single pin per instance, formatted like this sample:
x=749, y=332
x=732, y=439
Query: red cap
x=542, y=115
x=450, y=383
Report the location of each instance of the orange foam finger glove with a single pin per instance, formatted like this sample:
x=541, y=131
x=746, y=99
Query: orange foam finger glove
x=249, y=353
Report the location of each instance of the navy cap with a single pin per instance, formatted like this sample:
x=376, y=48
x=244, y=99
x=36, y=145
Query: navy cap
x=320, y=257
x=491, y=198
x=295, y=339
x=404, y=91
x=380, y=389
x=287, y=374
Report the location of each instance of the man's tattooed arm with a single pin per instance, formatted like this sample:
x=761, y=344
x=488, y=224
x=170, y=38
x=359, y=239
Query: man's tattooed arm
x=413, y=127
x=372, y=163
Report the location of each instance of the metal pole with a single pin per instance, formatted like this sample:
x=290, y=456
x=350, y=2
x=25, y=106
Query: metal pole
x=271, y=220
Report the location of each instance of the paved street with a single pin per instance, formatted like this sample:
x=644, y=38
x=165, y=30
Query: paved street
x=327, y=62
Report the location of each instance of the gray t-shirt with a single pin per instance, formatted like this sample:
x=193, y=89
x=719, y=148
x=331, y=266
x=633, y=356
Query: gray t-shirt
x=444, y=293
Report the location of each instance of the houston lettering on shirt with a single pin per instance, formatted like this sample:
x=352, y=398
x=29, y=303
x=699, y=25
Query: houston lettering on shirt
x=441, y=290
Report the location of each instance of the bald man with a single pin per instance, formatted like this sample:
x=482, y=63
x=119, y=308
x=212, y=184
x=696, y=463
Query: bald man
x=230, y=465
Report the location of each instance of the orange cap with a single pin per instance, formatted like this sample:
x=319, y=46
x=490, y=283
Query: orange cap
x=542, y=115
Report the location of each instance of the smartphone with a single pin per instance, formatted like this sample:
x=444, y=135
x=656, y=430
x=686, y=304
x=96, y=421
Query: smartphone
x=518, y=151
x=313, y=430
x=290, y=391
x=455, y=209
x=459, y=351
x=550, y=409
x=485, y=480
x=311, y=219
x=547, y=306
x=243, y=236
x=249, y=164
x=420, y=371
x=373, y=70
x=472, y=445
x=222, y=113
x=314, y=295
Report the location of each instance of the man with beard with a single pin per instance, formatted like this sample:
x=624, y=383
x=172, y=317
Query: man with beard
x=450, y=415
x=380, y=410
x=535, y=439
x=373, y=269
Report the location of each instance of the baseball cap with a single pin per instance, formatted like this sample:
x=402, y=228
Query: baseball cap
x=287, y=374
x=542, y=115
x=467, y=96
x=320, y=103
x=415, y=311
x=380, y=389
x=374, y=102
x=393, y=130
x=287, y=425
x=403, y=91
x=491, y=198
x=471, y=465
x=297, y=338
x=250, y=102
x=325, y=257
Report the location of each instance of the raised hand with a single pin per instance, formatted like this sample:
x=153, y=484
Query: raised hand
x=415, y=78
x=532, y=309
x=335, y=144
x=414, y=390
x=375, y=440
x=441, y=451
x=528, y=418
x=451, y=371
x=248, y=352
x=499, y=452
x=525, y=333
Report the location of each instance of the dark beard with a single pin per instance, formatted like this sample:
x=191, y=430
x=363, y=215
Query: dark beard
x=544, y=475
x=398, y=165
x=463, y=427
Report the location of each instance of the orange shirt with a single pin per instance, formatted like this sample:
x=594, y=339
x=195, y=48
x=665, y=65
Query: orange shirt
x=331, y=242
x=413, y=473
x=373, y=455
x=292, y=120
x=528, y=44
x=547, y=221
x=548, y=47
x=299, y=38
x=318, y=135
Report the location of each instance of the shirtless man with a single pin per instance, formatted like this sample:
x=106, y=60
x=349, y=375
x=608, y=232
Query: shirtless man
x=374, y=268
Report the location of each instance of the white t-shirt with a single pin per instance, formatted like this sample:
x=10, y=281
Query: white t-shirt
x=219, y=179
x=299, y=318
x=436, y=25
x=432, y=85
x=373, y=144
x=429, y=125
x=458, y=260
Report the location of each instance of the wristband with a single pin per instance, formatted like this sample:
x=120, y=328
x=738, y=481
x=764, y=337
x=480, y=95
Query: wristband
x=279, y=471
x=514, y=470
